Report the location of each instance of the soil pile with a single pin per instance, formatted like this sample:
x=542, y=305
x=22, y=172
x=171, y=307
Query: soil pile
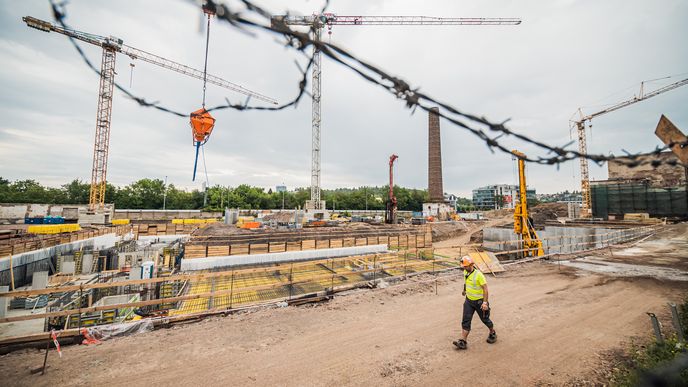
x=218, y=229
x=443, y=231
x=280, y=217
x=496, y=214
x=548, y=211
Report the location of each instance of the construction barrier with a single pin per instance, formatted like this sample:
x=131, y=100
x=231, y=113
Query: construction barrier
x=53, y=228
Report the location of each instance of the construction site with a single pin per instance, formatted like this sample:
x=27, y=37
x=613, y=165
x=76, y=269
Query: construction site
x=321, y=294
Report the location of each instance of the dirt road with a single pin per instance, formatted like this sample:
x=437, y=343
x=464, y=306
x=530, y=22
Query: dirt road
x=554, y=322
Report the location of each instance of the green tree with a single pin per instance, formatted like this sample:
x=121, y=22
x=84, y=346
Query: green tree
x=77, y=192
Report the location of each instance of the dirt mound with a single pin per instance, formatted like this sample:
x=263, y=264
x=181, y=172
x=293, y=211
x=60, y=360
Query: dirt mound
x=496, y=214
x=477, y=237
x=357, y=225
x=218, y=229
x=443, y=231
x=280, y=217
x=548, y=211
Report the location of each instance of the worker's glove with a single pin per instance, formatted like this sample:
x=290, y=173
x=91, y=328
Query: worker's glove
x=485, y=306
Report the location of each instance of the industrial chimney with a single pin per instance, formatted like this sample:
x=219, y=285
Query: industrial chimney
x=435, y=190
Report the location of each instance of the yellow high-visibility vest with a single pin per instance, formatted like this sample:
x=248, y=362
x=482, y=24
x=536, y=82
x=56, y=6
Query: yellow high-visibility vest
x=474, y=284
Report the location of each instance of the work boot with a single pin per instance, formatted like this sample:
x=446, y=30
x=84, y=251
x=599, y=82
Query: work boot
x=460, y=344
x=492, y=338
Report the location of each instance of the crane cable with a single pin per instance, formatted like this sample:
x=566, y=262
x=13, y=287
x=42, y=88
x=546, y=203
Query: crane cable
x=205, y=66
x=202, y=111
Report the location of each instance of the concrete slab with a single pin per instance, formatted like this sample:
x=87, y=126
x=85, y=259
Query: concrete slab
x=289, y=256
x=67, y=267
x=39, y=280
x=4, y=301
x=87, y=263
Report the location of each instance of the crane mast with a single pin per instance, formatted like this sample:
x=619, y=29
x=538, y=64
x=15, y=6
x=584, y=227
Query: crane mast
x=523, y=226
x=111, y=46
x=586, y=207
x=319, y=21
x=391, y=216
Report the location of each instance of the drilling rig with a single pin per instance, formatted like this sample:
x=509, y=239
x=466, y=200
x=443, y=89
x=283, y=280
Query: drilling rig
x=523, y=225
x=391, y=214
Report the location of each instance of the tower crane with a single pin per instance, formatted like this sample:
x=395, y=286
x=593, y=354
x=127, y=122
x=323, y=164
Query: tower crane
x=111, y=46
x=586, y=208
x=523, y=225
x=391, y=215
x=319, y=21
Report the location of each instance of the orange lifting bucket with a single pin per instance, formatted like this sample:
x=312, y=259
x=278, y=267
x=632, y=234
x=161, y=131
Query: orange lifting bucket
x=202, y=124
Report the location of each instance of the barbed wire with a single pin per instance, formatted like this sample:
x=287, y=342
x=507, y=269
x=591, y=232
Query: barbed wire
x=480, y=127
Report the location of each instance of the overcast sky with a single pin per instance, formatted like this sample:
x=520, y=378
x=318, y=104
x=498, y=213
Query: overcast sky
x=566, y=54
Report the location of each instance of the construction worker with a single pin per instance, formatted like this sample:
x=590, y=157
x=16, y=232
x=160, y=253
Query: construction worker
x=475, y=290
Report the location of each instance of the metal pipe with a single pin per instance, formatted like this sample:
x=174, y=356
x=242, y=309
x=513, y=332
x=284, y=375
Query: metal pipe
x=677, y=322
x=656, y=327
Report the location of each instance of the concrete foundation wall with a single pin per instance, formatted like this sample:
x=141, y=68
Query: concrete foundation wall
x=556, y=239
x=289, y=256
x=11, y=213
x=96, y=243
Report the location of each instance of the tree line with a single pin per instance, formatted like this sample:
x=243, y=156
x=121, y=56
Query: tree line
x=153, y=194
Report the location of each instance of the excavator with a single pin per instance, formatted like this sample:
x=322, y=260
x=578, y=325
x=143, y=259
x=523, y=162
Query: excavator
x=523, y=225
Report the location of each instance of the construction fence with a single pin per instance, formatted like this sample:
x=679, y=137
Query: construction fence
x=610, y=199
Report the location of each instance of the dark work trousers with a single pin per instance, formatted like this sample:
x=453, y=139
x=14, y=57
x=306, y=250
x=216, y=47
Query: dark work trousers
x=470, y=307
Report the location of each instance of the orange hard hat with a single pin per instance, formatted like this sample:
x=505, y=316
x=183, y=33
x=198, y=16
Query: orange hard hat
x=466, y=261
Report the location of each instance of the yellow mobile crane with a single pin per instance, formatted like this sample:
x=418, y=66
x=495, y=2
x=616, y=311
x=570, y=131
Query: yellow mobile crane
x=523, y=226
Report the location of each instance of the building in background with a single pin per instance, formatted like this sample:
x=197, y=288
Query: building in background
x=498, y=196
x=566, y=196
x=452, y=200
